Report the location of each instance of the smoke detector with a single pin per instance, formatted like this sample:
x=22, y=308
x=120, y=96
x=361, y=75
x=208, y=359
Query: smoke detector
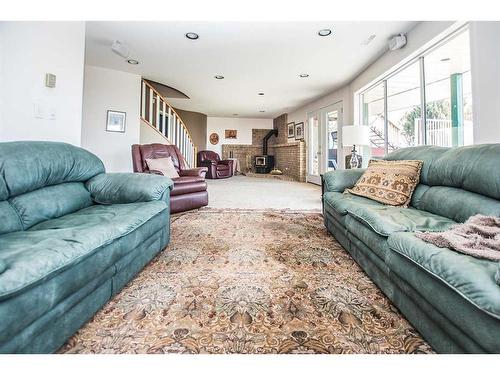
x=397, y=42
x=120, y=49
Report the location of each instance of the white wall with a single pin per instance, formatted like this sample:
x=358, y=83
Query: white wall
x=106, y=89
x=28, y=50
x=485, y=68
x=150, y=135
x=243, y=125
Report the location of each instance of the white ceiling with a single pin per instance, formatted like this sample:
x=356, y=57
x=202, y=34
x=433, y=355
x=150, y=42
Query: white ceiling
x=252, y=56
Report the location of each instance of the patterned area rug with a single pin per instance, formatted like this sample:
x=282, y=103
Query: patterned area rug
x=249, y=282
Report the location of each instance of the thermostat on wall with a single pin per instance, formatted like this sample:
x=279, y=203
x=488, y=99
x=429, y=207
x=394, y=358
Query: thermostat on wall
x=50, y=80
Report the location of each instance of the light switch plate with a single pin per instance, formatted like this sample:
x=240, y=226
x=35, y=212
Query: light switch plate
x=37, y=111
x=50, y=80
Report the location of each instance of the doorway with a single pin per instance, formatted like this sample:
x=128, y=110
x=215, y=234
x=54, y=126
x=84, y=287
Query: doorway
x=323, y=151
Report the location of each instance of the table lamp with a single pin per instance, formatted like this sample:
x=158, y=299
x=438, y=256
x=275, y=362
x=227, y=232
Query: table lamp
x=355, y=135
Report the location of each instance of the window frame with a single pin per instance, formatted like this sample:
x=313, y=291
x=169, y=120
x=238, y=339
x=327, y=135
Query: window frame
x=420, y=58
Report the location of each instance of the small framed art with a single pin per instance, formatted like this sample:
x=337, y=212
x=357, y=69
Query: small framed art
x=299, y=131
x=291, y=129
x=115, y=121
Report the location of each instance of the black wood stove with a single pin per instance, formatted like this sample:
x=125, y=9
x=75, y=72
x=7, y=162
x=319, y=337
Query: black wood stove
x=265, y=163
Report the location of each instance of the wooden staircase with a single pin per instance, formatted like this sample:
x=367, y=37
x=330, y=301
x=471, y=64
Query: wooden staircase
x=161, y=116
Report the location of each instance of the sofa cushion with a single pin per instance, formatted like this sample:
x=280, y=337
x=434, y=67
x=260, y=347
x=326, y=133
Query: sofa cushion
x=470, y=168
x=385, y=220
x=428, y=154
x=28, y=166
x=9, y=218
x=50, y=202
x=454, y=203
x=472, y=278
x=372, y=240
x=54, y=245
x=341, y=202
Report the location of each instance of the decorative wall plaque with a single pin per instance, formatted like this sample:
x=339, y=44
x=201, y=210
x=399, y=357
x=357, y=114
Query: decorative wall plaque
x=214, y=138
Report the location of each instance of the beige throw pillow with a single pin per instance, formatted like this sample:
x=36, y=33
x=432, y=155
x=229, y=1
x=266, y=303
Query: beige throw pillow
x=389, y=181
x=164, y=165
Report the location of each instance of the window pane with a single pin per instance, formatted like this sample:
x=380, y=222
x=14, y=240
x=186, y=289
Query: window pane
x=314, y=147
x=404, y=108
x=373, y=116
x=448, y=93
x=332, y=119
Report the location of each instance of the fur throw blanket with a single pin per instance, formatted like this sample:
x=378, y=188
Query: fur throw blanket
x=479, y=237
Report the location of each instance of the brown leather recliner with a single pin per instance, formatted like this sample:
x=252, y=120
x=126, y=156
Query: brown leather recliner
x=190, y=188
x=216, y=168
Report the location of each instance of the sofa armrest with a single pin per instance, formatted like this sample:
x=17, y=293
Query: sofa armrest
x=207, y=163
x=341, y=179
x=195, y=172
x=116, y=188
x=226, y=161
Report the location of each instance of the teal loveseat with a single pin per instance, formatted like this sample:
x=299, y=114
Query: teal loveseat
x=452, y=299
x=71, y=236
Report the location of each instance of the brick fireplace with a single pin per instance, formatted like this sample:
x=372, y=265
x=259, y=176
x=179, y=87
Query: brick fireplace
x=289, y=156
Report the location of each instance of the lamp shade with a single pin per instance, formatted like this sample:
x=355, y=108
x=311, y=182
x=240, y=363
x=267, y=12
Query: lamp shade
x=358, y=135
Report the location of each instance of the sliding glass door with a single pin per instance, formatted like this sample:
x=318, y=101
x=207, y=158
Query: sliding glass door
x=323, y=129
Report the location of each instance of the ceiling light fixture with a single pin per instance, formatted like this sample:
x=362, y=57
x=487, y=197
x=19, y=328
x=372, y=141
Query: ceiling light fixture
x=133, y=62
x=192, y=36
x=368, y=40
x=260, y=93
x=324, y=32
x=219, y=77
x=261, y=111
x=120, y=49
x=303, y=75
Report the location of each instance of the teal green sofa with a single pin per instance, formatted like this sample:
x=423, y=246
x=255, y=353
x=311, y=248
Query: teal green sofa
x=71, y=236
x=452, y=299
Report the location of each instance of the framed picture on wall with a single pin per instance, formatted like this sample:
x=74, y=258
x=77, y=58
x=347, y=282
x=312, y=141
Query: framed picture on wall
x=299, y=131
x=291, y=129
x=214, y=138
x=115, y=121
x=231, y=134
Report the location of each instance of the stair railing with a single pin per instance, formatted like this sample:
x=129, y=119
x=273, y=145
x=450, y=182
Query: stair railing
x=162, y=117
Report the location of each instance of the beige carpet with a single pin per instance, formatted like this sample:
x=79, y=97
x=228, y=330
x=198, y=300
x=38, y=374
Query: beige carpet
x=249, y=282
x=263, y=193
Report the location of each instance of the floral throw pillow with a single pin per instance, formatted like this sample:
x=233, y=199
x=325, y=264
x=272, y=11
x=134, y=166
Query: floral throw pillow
x=390, y=182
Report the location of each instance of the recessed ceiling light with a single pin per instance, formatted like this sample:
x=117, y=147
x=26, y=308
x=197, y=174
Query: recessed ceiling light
x=324, y=32
x=133, y=62
x=219, y=77
x=261, y=93
x=445, y=59
x=303, y=75
x=192, y=36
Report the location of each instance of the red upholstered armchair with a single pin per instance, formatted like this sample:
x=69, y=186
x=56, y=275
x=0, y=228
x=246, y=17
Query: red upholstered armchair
x=216, y=168
x=190, y=188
